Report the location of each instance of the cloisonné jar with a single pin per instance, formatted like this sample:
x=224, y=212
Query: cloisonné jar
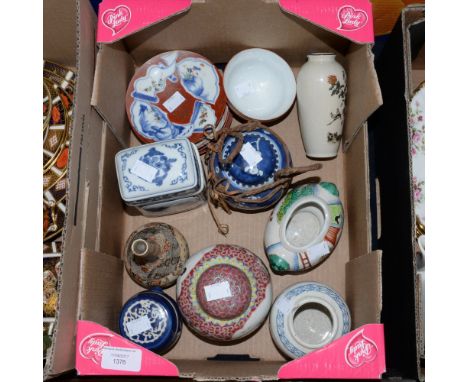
x=225, y=292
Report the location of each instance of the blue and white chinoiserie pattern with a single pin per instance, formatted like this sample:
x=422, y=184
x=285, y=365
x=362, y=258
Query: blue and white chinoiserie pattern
x=176, y=94
x=151, y=319
x=289, y=302
x=261, y=156
x=156, y=169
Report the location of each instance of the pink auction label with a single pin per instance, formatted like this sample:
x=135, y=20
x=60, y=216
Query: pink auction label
x=99, y=351
x=351, y=19
x=360, y=350
x=359, y=354
x=120, y=18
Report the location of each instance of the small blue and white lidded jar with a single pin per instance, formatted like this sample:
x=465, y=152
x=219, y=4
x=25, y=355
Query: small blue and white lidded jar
x=161, y=178
x=250, y=168
x=243, y=168
x=151, y=319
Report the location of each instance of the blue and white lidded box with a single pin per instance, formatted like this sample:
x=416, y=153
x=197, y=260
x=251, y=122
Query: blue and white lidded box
x=159, y=172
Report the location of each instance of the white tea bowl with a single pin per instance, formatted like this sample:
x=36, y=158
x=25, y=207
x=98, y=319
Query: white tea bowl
x=259, y=84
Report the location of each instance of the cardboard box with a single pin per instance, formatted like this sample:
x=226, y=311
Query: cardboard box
x=95, y=285
x=68, y=39
x=401, y=69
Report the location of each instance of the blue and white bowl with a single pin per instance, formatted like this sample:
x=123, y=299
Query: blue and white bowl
x=263, y=154
x=307, y=316
x=151, y=319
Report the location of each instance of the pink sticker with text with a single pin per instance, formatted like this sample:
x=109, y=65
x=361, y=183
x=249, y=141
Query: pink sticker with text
x=100, y=351
x=359, y=354
x=120, y=18
x=351, y=19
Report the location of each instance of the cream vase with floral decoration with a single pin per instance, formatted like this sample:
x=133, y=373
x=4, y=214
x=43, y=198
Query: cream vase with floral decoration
x=321, y=96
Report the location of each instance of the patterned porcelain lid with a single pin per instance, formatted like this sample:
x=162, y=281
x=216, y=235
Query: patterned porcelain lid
x=263, y=153
x=225, y=292
x=176, y=94
x=156, y=169
x=151, y=319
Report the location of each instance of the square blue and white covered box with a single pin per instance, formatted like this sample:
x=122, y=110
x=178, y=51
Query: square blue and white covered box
x=158, y=171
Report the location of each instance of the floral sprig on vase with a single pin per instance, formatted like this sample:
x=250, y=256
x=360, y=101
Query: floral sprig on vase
x=337, y=89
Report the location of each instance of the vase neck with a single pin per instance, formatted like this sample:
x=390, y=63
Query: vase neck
x=321, y=57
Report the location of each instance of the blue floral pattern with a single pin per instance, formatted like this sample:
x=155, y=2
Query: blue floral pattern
x=160, y=162
x=199, y=78
x=312, y=287
x=154, y=124
x=127, y=182
x=156, y=315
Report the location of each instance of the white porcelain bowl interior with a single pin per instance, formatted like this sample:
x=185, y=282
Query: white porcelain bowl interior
x=259, y=84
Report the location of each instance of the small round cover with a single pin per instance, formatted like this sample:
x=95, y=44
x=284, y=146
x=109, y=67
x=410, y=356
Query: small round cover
x=263, y=153
x=151, y=319
x=225, y=292
x=170, y=254
x=176, y=94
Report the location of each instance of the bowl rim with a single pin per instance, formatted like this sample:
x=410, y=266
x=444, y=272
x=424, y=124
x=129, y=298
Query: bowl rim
x=289, y=77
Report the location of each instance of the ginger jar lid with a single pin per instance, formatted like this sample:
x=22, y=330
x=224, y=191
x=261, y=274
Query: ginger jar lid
x=225, y=292
x=151, y=319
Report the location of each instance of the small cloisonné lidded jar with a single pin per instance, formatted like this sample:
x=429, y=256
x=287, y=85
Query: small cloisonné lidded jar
x=151, y=319
x=155, y=255
x=225, y=292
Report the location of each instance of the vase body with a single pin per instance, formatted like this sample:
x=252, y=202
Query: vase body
x=321, y=96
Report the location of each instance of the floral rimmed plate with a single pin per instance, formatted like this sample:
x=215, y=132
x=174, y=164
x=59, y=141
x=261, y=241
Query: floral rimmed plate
x=417, y=131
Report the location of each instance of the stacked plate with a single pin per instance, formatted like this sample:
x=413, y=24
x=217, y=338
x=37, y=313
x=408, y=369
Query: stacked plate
x=58, y=89
x=177, y=94
x=161, y=178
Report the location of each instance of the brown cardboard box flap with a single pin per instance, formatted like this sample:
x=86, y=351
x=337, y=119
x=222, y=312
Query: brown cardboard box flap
x=100, y=288
x=363, y=283
x=65, y=24
x=359, y=105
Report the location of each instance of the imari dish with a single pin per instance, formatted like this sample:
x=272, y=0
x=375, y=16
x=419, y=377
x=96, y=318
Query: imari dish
x=155, y=255
x=307, y=316
x=156, y=176
x=151, y=319
x=51, y=271
x=259, y=84
x=417, y=129
x=58, y=85
x=304, y=227
x=176, y=94
x=225, y=292
x=263, y=153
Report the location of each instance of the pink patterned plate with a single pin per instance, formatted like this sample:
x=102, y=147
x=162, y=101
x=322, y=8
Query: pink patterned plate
x=225, y=292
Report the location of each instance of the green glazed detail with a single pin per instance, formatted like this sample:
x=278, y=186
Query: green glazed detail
x=278, y=264
x=292, y=196
x=330, y=187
